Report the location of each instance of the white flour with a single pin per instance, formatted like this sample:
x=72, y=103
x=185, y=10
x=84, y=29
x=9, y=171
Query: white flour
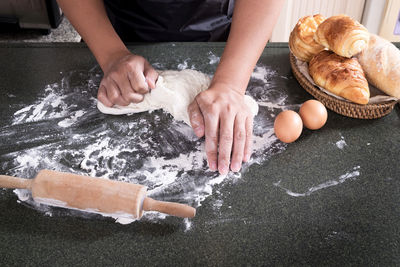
x=341, y=143
x=341, y=179
x=69, y=134
x=213, y=58
x=184, y=65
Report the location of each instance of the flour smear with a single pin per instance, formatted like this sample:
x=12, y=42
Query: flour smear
x=351, y=175
x=64, y=131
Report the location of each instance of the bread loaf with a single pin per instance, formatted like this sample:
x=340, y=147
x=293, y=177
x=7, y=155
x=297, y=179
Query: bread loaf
x=343, y=35
x=341, y=76
x=301, y=40
x=381, y=64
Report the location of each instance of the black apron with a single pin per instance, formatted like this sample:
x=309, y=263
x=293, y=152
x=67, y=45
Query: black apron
x=170, y=20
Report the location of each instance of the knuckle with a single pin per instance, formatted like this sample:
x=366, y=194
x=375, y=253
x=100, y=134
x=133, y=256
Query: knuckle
x=195, y=120
x=129, y=97
x=213, y=109
x=196, y=117
x=136, y=98
x=213, y=139
x=114, y=97
x=240, y=135
x=102, y=98
x=130, y=67
x=228, y=109
x=212, y=155
x=249, y=134
x=138, y=58
x=203, y=97
x=153, y=72
x=141, y=88
x=134, y=61
x=226, y=138
x=211, y=148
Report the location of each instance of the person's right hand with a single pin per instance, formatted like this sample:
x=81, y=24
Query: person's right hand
x=126, y=79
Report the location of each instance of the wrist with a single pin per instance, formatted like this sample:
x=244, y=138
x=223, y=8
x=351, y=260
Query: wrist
x=109, y=58
x=227, y=85
x=232, y=74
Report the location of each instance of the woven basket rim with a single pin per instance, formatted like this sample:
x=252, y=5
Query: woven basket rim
x=343, y=107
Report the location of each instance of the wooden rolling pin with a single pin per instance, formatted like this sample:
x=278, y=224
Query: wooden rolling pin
x=93, y=194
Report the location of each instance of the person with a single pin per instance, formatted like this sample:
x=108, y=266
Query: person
x=218, y=113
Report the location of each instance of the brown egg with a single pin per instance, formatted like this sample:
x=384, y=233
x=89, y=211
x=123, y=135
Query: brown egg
x=314, y=114
x=288, y=126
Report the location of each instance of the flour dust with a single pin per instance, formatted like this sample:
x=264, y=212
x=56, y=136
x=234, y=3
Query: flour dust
x=351, y=175
x=63, y=130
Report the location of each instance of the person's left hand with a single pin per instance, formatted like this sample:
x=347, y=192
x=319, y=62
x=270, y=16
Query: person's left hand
x=221, y=114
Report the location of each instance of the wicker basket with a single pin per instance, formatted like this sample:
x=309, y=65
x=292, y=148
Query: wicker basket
x=349, y=109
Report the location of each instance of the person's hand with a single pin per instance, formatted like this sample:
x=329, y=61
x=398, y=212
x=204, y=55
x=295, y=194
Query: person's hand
x=126, y=79
x=221, y=114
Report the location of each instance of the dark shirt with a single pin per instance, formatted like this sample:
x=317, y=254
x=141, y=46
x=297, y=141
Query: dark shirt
x=170, y=20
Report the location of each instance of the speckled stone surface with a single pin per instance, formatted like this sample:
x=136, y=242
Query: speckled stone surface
x=353, y=223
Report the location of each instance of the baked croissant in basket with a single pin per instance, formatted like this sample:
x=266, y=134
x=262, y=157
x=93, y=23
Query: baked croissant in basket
x=343, y=35
x=342, y=76
x=301, y=40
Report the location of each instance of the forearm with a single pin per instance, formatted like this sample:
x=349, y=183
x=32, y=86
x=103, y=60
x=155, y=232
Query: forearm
x=252, y=25
x=90, y=19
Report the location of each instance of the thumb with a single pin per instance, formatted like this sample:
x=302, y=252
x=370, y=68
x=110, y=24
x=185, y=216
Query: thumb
x=196, y=119
x=151, y=76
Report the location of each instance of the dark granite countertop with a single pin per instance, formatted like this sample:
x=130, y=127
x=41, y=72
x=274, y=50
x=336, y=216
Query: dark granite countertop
x=330, y=198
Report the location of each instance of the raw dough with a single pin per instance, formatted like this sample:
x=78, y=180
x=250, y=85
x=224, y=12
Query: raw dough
x=174, y=91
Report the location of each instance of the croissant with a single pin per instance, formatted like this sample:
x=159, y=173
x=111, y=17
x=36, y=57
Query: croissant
x=381, y=63
x=339, y=75
x=343, y=35
x=301, y=40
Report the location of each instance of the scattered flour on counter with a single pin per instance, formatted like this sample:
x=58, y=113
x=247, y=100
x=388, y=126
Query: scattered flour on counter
x=264, y=90
x=263, y=74
x=184, y=65
x=70, y=121
x=188, y=224
x=341, y=179
x=158, y=65
x=341, y=143
x=213, y=58
x=64, y=131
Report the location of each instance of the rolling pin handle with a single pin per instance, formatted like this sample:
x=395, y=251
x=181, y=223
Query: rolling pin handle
x=175, y=209
x=14, y=182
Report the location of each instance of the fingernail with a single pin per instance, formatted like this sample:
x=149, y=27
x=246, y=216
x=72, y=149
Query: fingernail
x=213, y=165
x=150, y=83
x=223, y=169
x=246, y=158
x=235, y=167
